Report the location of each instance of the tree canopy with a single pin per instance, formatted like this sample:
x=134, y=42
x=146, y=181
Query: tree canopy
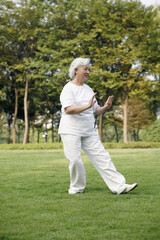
x=39, y=39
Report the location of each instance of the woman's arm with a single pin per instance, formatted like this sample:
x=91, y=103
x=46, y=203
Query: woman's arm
x=79, y=109
x=107, y=105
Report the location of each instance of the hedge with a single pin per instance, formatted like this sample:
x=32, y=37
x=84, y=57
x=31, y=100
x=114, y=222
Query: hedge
x=107, y=145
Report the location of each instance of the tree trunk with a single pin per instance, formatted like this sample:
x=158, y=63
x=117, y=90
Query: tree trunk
x=9, y=121
x=134, y=135
x=19, y=134
x=28, y=135
x=15, y=116
x=52, y=128
x=45, y=139
x=9, y=132
x=38, y=132
x=100, y=132
x=32, y=134
x=125, y=110
x=116, y=131
x=26, y=113
x=129, y=136
x=138, y=134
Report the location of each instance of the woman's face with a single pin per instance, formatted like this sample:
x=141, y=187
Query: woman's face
x=82, y=72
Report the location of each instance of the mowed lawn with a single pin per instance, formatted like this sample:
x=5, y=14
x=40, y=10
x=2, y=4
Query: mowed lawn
x=35, y=205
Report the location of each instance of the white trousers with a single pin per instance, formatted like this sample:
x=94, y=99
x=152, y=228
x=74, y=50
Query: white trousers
x=99, y=157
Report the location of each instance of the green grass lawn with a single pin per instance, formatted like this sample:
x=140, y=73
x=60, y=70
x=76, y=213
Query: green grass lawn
x=35, y=205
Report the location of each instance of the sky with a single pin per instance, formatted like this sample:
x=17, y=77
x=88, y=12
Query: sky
x=150, y=2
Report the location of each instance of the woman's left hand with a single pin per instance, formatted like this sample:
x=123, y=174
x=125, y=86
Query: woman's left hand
x=108, y=103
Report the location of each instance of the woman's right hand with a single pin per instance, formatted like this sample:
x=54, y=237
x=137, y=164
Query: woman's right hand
x=79, y=109
x=92, y=101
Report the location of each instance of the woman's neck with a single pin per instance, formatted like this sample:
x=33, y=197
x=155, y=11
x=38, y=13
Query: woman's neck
x=77, y=82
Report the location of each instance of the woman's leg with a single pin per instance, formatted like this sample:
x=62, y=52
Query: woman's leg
x=72, y=151
x=100, y=158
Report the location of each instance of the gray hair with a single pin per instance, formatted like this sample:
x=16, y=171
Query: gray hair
x=77, y=62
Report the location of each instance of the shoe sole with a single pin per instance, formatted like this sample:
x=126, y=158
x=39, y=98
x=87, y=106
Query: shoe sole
x=75, y=192
x=131, y=189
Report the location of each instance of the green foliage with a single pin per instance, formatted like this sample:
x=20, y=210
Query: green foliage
x=35, y=203
x=130, y=145
x=139, y=116
x=152, y=133
x=56, y=145
x=31, y=146
x=39, y=39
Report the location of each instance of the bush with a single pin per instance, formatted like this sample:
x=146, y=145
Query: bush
x=107, y=145
x=110, y=145
x=31, y=146
x=152, y=133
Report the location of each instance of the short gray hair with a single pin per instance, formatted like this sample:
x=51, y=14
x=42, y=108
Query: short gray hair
x=77, y=62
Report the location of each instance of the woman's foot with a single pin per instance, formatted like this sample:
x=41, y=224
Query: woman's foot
x=129, y=188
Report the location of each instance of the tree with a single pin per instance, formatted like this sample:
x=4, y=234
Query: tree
x=53, y=56
x=118, y=31
x=24, y=26
x=113, y=35
x=139, y=116
x=43, y=37
x=152, y=133
x=6, y=75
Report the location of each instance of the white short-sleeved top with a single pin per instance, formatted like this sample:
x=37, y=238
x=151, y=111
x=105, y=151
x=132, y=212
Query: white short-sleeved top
x=81, y=124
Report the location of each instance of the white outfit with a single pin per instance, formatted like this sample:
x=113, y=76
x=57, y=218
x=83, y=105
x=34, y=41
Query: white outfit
x=81, y=124
x=77, y=132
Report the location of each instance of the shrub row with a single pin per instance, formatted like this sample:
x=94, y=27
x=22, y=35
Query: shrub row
x=107, y=145
x=31, y=146
x=110, y=145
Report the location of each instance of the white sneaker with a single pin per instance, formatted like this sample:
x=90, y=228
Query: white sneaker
x=130, y=188
x=75, y=192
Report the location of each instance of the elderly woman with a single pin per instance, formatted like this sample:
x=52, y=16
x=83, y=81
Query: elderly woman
x=77, y=132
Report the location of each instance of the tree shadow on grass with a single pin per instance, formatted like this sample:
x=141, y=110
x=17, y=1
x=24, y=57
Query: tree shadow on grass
x=4, y=237
x=107, y=191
